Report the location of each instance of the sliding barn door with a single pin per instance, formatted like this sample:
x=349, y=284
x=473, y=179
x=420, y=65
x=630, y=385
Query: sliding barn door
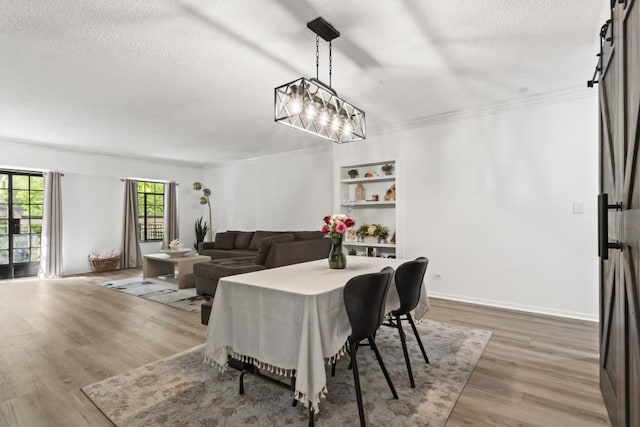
x=619, y=214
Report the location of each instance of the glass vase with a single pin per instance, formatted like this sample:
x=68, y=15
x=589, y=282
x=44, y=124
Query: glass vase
x=337, y=259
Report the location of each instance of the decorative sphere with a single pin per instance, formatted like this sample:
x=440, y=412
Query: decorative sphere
x=197, y=185
x=203, y=200
x=206, y=192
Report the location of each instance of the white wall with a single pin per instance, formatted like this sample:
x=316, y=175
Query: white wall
x=489, y=201
x=290, y=191
x=92, y=196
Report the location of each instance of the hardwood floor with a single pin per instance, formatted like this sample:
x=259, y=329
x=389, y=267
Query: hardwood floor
x=59, y=335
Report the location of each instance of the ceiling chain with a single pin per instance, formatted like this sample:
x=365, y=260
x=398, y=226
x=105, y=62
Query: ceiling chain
x=329, y=62
x=317, y=56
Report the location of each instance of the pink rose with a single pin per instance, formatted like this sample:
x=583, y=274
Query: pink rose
x=324, y=229
x=341, y=228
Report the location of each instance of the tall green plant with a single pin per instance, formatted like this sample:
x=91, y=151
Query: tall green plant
x=202, y=228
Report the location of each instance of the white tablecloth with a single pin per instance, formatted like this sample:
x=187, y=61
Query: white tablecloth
x=290, y=319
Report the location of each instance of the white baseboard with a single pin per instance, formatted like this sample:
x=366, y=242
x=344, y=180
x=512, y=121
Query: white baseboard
x=519, y=307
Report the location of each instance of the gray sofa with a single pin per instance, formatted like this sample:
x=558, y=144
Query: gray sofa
x=237, y=252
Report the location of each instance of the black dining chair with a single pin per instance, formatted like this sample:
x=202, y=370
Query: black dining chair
x=364, y=300
x=408, y=278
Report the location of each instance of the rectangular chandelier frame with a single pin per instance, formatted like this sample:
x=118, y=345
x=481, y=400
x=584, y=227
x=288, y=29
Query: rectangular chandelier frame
x=312, y=106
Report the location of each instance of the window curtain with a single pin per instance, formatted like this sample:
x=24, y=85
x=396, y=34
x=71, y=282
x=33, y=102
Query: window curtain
x=171, y=231
x=131, y=256
x=51, y=238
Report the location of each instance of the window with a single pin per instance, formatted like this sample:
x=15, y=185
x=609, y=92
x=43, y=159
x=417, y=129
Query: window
x=21, y=202
x=150, y=211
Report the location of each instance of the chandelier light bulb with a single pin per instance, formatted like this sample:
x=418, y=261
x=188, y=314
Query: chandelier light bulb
x=324, y=118
x=296, y=107
x=335, y=124
x=347, y=129
x=311, y=111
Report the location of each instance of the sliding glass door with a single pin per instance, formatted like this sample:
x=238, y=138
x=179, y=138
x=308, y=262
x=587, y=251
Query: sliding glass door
x=21, y=206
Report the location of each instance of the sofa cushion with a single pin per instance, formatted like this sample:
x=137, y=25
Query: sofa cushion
x=259, y=236
x=308, y=235
x=203, y=269
x=225, y=240
x=243, y=239
x=207, y=274
x=266, y=243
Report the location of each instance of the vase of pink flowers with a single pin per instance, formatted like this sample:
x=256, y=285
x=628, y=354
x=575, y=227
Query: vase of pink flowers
x=335, y=226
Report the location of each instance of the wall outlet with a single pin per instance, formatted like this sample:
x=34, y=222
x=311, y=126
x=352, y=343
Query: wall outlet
x=436, y=276
x=578, y=207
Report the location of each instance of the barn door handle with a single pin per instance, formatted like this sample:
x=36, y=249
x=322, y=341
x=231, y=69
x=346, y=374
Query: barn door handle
x=603, y=226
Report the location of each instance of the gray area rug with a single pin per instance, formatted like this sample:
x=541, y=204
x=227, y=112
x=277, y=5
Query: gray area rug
x=158, y=291
x=181, y=390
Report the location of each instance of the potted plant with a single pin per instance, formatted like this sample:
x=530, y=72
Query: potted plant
x=201, y=228
x=373, y=232
x=382, y=233
x=387, y=168
x=362, y=232
x=353, y=173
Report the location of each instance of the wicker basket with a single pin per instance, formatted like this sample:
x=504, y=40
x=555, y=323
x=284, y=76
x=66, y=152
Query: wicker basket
x=104, y=264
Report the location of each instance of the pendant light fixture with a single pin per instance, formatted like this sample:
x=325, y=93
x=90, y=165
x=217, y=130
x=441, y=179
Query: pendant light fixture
x=315, y=107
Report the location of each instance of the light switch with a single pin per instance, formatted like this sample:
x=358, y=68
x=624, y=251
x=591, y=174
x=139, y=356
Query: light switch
x=578, y=208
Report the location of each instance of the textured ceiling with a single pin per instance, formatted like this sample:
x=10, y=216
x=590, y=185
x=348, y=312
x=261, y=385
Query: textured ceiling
x=192, y=81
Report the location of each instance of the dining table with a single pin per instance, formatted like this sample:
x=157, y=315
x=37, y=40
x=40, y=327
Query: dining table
x=291, y=320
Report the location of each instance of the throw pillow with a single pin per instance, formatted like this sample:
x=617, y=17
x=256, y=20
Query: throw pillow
x=243, y=239
x=266, y=243
x=259, y=235
x=225, y=240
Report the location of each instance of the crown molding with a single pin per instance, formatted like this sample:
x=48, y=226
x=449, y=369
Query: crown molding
x=487, y=110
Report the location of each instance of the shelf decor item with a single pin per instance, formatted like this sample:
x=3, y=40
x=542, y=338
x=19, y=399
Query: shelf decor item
x=382, y=233
x=387, y=168
x=335, y=226
x=372, y=233
x=353, y=173
x=390, y=195
x=360, y=193
x=362, y=232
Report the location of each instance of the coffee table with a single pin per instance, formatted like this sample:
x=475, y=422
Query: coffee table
x=154, y=265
